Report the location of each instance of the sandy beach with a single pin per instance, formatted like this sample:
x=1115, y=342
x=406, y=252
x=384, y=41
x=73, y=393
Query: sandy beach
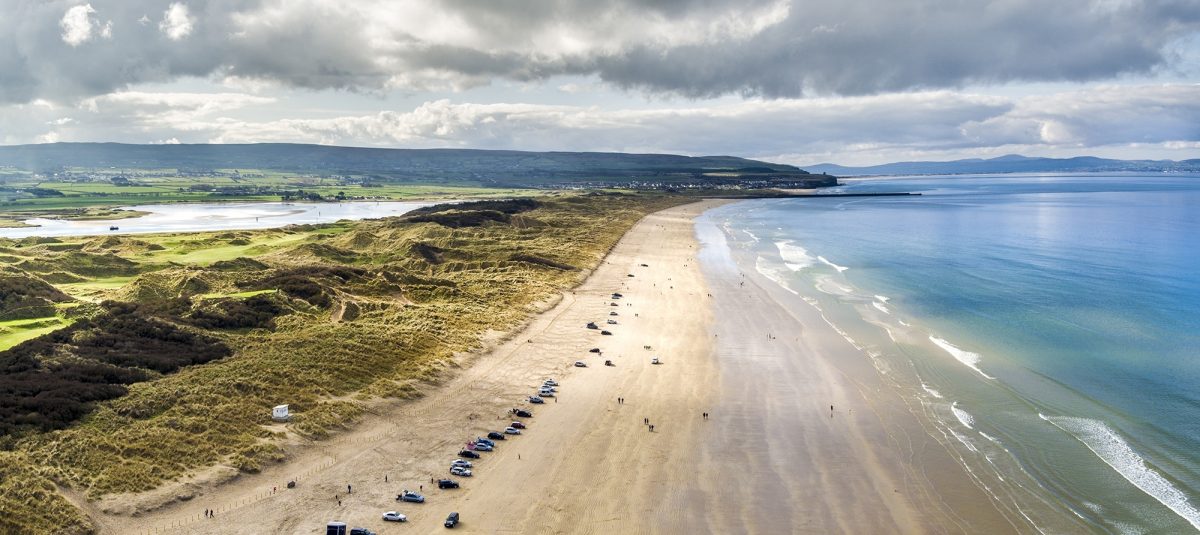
x=772, y=457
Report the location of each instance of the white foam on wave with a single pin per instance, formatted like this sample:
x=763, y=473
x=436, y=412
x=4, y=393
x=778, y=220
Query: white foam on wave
x=751, y=234
x=882, y=298
x=879, y=306
x=966, y=357
x=774, y=274
x=904, y=323
x=794, y=256
x=831, y=264
x=1116, y=453
x=931, y=391
x=964, y=417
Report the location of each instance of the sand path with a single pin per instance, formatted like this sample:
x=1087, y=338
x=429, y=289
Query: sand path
x=770, y=460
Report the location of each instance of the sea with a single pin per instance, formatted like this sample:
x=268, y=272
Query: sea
x=1045, y=328
x=204, y=217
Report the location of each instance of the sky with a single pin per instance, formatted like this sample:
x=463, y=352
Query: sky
x=853, y=82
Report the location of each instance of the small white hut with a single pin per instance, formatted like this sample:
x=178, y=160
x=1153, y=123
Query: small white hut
x=280, y=413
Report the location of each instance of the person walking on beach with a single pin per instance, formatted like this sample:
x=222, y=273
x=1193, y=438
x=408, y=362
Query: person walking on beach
x=348, y=490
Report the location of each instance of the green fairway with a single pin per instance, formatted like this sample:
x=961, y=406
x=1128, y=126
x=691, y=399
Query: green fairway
x=14, y=332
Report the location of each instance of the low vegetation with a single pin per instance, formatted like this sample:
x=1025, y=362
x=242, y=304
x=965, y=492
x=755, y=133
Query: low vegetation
x=174, y=348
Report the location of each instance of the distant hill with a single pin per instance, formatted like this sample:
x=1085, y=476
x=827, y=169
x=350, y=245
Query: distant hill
x=499, y=167
x=1012, y=164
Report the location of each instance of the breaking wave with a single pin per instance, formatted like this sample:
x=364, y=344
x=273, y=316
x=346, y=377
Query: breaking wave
x=966, y=357
x=794, y=256
x=1115, y=452
x=832, y=265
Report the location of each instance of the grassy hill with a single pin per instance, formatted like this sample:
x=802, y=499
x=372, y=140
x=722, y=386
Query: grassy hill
x=487, y=167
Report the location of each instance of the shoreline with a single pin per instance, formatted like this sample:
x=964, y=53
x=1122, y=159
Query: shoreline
x=821, y=413
x=588, y=463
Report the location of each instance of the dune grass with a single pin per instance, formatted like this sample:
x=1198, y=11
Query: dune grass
x=369, y=307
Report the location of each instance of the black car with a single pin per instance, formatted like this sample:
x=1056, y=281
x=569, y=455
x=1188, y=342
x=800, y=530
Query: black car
x=468, y=454
x=361, y=531
x=606, y=333
x=594, y=350
x=447, y=484
x=452, y=520
x=496, y=436
x=523, y=413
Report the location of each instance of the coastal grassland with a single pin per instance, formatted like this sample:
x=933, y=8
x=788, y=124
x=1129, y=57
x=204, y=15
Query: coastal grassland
x=323, y=318
x=95, y=194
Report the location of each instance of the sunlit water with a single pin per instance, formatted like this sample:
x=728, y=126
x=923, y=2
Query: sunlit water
x=187, y=217
x=1047, y=328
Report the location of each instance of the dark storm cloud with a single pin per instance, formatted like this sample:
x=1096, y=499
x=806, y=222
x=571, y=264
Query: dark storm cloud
x=697, y=48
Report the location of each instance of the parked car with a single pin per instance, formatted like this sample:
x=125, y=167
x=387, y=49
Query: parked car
x=546, y=393
x=606, y=333
x=609, y=363
x=594, y=350
x=613, y=305
x=592, y=325
x=644, y=265
x=655, y=361
x=536, y=400
x=518, y=425
x=481, y=440
x=447, y=484
x=512, y=430
x=461, y=462
x=392, y=516
x=550, y=382
x=410, y=497
x=468, y=454
x=451, y=520
x=580, y=364
x=483, y=447
x=613, y=313
x=361, y=531
x=616, y=295
x=612, y=322
x=495, y=436
x=460, y=471
x=523, y=414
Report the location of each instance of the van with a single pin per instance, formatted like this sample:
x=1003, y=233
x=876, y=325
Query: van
x=335, y=528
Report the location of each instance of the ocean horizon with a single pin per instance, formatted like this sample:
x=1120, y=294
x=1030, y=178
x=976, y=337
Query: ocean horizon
x=1044, y=327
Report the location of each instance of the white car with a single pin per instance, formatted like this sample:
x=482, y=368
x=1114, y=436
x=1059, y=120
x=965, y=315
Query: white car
x=611, y=322
x=479, y=446
x=655, y=361
x=461, y=463
x=546, y=393
x=460, y=471
x=512, y=431
x=536, y=400
x=392, y=516
x=550, y=382
x=580, y=364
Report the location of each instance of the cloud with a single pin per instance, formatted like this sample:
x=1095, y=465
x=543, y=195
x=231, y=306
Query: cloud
x=1122, y=121
x=690, y=48
x=78, y=24
x=176, y=22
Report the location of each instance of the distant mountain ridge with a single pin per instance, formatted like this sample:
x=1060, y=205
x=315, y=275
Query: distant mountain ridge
x=1012, y=163
x=508, y=167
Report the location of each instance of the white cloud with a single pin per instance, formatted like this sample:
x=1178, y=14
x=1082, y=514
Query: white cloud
x=78, y=24
x=1119, y=121
x=176, y=23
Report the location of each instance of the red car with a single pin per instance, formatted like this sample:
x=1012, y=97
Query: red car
x=517, y=425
